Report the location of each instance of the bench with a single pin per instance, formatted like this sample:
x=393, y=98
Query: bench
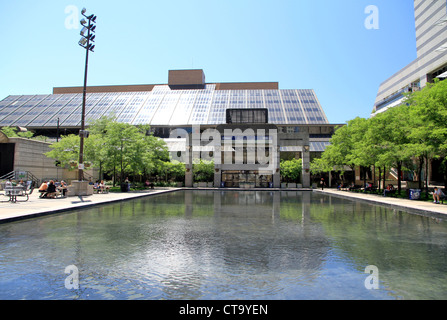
x=15, y=193
x=99, y=190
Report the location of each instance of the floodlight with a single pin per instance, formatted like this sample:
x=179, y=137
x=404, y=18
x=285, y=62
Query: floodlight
x=84, y=31
x=84, y=10
x=83, y=42
x=91, y=47
x=94, y=19
x=92, y=37
x=93, y=28
x=83, y=22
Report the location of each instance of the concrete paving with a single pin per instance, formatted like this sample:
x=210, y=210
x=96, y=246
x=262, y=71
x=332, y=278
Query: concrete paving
x=36, y=206
x=423, y=207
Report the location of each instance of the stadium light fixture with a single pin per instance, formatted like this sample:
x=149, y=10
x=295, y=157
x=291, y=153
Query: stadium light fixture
x=85, y=42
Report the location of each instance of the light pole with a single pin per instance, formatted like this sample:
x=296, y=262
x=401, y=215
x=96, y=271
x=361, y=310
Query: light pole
x=88, y=36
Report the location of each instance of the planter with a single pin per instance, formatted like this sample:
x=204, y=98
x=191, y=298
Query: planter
x=202, y=184
x=414, y=185
x=291, y=185
x=283, y=185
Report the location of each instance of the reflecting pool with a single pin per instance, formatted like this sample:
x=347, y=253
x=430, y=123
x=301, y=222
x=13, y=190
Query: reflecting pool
x=226, y=245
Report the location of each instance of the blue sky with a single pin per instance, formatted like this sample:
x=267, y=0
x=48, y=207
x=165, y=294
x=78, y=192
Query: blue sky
x=302, y=44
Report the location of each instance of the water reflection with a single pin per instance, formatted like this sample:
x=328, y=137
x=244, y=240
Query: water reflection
x=226, y=245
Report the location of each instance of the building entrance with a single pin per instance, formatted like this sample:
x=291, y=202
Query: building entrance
x=247, y=179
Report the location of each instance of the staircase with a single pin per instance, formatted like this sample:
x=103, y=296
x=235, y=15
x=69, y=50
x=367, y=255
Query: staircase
x=21, y=175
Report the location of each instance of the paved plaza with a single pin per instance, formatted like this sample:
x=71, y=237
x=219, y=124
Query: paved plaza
x=396, y=203
x=36, y=206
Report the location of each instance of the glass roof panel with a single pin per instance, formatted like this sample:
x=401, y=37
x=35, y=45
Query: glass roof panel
x=7, y=101
x=37, y=110
x=292, y=107
x=166, y=108
x=63, y=113
x=129, y=112
x=101, y=107
x=201, y=107
x=149, y=108
x=312, y=108
x=23, y=109
x=91, y=101
x=119, y=104
x=14, y=106
x=49, y=112
x=273, y=103
x=218, y=108
x=184, y=108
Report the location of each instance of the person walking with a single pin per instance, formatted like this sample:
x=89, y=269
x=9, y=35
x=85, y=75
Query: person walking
x=322, y=183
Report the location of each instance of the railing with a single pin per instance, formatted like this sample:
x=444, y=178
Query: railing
x=21, y=175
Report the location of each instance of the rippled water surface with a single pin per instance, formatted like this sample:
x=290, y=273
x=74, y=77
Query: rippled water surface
x=226, y=245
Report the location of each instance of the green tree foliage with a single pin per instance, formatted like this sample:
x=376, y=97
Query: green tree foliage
x=11, y=132
x=414, y=131
x=291, y=170
x=203, y=171
x=116, y=148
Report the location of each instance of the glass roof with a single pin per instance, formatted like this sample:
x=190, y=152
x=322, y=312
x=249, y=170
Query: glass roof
x=161, y=106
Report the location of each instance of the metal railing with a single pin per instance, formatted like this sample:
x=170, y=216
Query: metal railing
x=21, y=175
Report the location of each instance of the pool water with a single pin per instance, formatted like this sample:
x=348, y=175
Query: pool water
x=220, y=245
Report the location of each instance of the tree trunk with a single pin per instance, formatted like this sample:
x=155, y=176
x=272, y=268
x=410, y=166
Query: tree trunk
x=421, y=163
x=380, y=177
x=426, y=175
x=399, y=174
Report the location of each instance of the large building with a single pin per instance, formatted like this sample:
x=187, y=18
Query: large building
x=288, y=122
x=431, y=62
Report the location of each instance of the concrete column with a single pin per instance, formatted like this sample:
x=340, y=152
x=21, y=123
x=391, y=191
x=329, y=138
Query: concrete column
x=217, y=177
x=306, y=167
x=217, y=166
x=277, y=169
x=189, y=174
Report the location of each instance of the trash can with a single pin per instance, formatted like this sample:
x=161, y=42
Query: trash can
x=415, y=194
x=124, y=187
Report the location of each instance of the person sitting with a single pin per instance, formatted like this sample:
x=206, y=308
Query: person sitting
x=103, y=188
x=8, y=184
x=148, y=184
x=63, y=188
x=43, y=189
x=389, y=189
x=96, y=187
x=438, y=195
x=51, y=190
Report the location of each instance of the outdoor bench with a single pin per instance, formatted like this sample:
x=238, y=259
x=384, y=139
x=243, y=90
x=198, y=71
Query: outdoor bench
x=17, y=192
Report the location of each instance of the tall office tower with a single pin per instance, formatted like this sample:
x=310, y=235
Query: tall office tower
x=431, y=62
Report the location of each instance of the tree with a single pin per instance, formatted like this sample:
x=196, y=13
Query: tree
x=66, y=150
x=203, y=171
x=117, y=148
x=10, y=132
x=428, y=116
x=291, y=170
